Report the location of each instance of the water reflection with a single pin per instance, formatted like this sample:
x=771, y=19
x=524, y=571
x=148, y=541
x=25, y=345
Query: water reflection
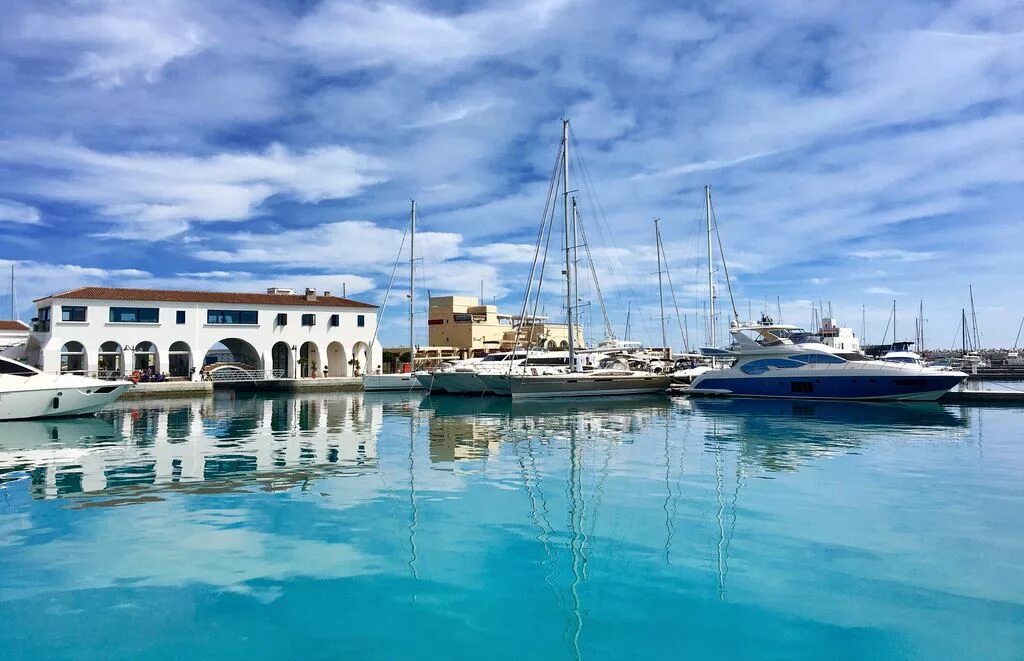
x=220, y=443
x=779, y=435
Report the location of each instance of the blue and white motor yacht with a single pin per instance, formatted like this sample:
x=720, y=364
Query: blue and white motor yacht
x=769, y=363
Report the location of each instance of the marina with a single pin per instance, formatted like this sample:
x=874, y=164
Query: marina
x=549, y=329
x=797, y=526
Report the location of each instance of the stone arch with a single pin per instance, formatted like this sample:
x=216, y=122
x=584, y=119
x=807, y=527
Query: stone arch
x=310, y=362
x=145, y=357
x=281, y=359
x=179, y=359
x=337, y=359
x=361, y=359
x=73, y=358
x=110, y=360
x=233, y=350
x=564, y=344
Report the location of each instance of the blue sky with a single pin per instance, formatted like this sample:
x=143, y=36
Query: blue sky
x=858, y=152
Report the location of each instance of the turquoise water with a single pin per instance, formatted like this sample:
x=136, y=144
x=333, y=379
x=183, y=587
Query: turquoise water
x=377, y=526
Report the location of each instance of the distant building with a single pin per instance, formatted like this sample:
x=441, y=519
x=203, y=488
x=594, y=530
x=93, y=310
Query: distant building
x=115, y=331
x=12, y=333
x=838, y=337
x=461, y=322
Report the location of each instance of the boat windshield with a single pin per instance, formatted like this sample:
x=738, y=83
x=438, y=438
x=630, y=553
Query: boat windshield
x=14, y=368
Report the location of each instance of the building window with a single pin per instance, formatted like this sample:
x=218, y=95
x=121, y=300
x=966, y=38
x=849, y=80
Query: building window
x=248, y=317
x=135, y=315
x=72, y=313
x=309, y=320
x=282, y=319
x=179, y=317
x=335, y=320
x=42, y=322
x=361, y=320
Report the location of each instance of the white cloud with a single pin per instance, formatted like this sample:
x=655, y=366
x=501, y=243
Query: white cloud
x=355, y=243
x=893, y=254
x=349, y=34
x=117, y=40
x=12, y=211
x=503, y=253
x=155, y=195
x=882, y=291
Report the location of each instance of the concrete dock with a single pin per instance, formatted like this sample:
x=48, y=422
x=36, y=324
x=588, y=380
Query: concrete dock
x=166, y=389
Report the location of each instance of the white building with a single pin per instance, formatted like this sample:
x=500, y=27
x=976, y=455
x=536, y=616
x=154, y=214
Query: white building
x=116, y=331
x=838, y=337
x=12, y=333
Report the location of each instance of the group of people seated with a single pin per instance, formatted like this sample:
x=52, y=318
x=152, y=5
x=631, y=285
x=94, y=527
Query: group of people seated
x=148, y=375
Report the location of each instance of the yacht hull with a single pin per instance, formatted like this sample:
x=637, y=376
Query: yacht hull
x=909, y=387
x=461, y=383
x=59, y=401
x=382, y=382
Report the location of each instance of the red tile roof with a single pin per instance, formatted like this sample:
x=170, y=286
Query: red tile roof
x=179, y=296
x=7, y=325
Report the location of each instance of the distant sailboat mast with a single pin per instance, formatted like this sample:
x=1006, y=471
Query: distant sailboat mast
x=661, y=291
x=711, y=273
x=569, y=233
x=412, y=287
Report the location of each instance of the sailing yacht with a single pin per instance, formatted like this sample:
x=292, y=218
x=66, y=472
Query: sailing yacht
x=573, y=382
x=768, y=363
x=26, y=392
x=401, y=380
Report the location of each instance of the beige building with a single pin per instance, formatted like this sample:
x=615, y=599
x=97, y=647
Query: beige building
x=462, y=323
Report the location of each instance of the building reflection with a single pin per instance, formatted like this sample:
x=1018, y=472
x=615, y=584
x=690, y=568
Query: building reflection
x=220, y=443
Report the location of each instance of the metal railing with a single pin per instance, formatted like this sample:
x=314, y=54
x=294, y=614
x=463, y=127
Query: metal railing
x=238, y=374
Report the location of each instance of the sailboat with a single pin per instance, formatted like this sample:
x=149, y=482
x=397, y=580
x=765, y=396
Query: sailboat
x=604, y=381
x=402, y=380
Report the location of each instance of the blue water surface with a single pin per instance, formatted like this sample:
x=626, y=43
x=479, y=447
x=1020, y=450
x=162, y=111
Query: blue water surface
x=397, y=526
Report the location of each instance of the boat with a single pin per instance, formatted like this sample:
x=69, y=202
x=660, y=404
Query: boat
x=26, y=392
x=770, y=364
x=571, y=380
x=401, y=380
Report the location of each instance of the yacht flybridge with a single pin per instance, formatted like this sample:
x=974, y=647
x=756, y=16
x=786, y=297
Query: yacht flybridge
x=26, y=392
x=770, y=360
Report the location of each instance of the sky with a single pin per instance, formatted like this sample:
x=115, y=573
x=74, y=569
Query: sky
x=857, y=153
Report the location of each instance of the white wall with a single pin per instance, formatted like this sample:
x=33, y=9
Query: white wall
x=343, y=341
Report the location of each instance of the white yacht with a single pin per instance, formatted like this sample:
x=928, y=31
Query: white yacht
x=768, y=363
x=26, y=392
x=401, y=380
x=473, y=378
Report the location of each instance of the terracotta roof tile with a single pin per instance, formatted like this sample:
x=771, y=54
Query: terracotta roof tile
x=180, y=296
x=7, y=325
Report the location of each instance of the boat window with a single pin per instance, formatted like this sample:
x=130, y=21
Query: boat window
x=541, y=362
x=495, y=357
x=765, y=364
x=16, y=368
x=899, y=359
x=818, y=359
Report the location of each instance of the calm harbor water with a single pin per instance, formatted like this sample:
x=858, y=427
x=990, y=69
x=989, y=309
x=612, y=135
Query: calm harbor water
x=396, y=526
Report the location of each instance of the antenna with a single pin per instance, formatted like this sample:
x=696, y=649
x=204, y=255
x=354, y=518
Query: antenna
x=14, y=297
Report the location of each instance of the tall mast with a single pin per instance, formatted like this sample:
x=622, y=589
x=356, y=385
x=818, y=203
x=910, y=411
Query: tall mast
x=412, y=286
x=629, y=308
x=920, y=313
x=894, y=321
x=575, y=261
x=863, y=324
x=974, y=321
x=711, y=276
x=963, y=331
x=569, y=293
x=14, y=297
x=661, y=291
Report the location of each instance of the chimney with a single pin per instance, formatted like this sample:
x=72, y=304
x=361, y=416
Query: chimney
x=310, y=294
x=326, y=293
